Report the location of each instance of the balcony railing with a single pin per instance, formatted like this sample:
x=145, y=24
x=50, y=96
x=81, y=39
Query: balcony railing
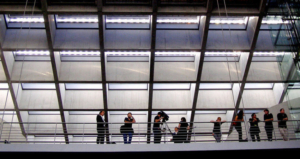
x=86, y=133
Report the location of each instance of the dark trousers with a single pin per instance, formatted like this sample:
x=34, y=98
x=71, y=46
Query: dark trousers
x=269, y=131
x=157, y=135
x=239, y=130
x=253, y=134
x=129, y=136
x=100, y=136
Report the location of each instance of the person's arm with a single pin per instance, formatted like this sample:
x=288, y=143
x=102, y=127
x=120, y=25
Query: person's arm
x=212, y=121
x=285, y=118
x=158, y=120
x=178, y=125
x=188, y=127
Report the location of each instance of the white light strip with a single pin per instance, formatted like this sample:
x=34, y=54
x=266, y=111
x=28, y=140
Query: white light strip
x=43, y=113
x=171, y=86
x=127, y=86
x=176, y=53
x=215, y=86
x=25, y=20
x=211, y=112
x=31, y=52
x=83, y=112
x=126, y=112
x=80, y=53
x=7, y=112
x=4, y=86
x=259, y=85
x=119, y=53
x=83, y=86
x=42, y=86
x=77, y=20
x=278, y=21
x=127, y=20
x=171, y=112
x=178, y=20
x=271, y=53
x=225, y=21
x=223, y=53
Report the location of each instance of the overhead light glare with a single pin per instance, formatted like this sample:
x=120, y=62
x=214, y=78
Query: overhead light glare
x=80, y=53
x=25, y=19
x=77, y=20
x=176, y=53
x=178, y=20
x=271, y=53
x=223, y=53
x=229, y=21
x=31, y=53
x=133, y=53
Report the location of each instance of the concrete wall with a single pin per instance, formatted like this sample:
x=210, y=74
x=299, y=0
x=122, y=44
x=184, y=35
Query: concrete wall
x=80, y=71
x=215, y=99
x=206, y=125
x=2, y=73
x=236, y=90
x=264, y=71
x=10, y=60
x=128, y=99
x=76, y=39
x=252, y=23
x=174, y=71
x=171, y=99
x=127, y=39
x=25, y=38
x=18, y=91
x=34, y=127
x=127, y=71
x=258, y=98
x=38, y=99
x=83, y=99
x=80, y=123
x=219, y=71
x=243, y=62
x=6, y=100
x=237, y=40
x=33, y=71
x=278, y=90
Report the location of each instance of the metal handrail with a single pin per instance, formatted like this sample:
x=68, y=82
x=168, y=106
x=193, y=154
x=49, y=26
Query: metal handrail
x=52, y=132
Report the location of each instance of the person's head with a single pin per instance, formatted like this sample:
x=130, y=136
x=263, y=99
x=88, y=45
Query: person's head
x=129, y=114
x=176, y=129
x=253, y=115
x=266, y=111
x=183, y=119
x=102, y=112
x=159, y=114
x=240, y=114
x=219, y=119
x=281, y=110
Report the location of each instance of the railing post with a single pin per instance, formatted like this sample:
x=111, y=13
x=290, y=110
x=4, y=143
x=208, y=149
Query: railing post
x=83, y=132
x=55, y=133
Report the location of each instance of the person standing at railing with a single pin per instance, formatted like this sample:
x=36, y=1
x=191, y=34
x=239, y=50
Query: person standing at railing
x=254, y=129
x=128, y=131
x=100, y=127
x=268, y=118
x=156, y=128
x=175, y=135
x=183, y=126
x=282, y=118
x=239, y=118
x=217, y=128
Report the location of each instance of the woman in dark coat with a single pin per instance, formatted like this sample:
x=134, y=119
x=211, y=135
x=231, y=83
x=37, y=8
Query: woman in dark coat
x=182, y=132
x=254, y=129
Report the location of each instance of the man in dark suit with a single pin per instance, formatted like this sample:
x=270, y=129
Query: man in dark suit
x=100, y=127
x=175, y=135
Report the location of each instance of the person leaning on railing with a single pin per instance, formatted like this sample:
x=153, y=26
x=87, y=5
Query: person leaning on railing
x=282, y=118
x=239, y=118
x=268, y=118
x=254, y=129
x=217, y=129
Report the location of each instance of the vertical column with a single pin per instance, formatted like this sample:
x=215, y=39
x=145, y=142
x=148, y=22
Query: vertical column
x=153, y=40
x=54, y=69
x=204, y=41
x=103, y=70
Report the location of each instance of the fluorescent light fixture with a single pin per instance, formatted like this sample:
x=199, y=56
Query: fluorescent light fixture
x=7, y=112
x=273, y=20
x=4, y=86
x=191, y=53
x=49, y=136
x=127, y=86
x=212, y=112
x=259, y=85
x=83, y=112
x=83, y=86
x=127, y=19
x=77, y=20
x=171, y=112
x=43, y=113
x=215, y=86
x=223, y=53
x=231, y=20
x=31, y=53
x=38, y=86
x=178, y=19
x=270, y=53
x=252, y=111
x=171, y=86
x=127, y=53
x=126, y=112
x=80, y=53
x=24, y=19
